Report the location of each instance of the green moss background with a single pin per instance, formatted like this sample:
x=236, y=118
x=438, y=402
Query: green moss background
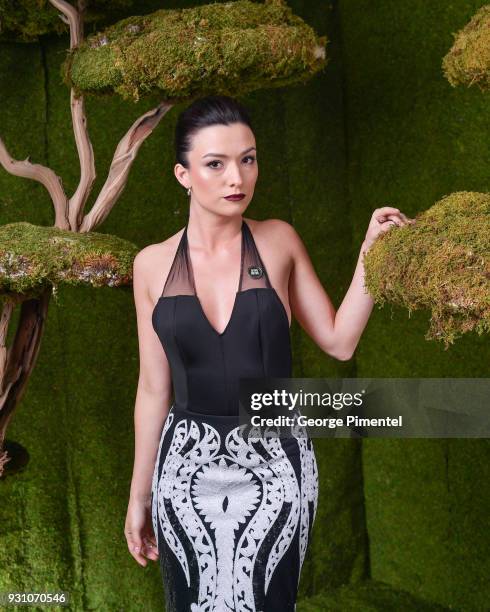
x=380, y=126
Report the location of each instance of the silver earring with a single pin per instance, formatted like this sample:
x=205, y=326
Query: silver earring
x=189, y=191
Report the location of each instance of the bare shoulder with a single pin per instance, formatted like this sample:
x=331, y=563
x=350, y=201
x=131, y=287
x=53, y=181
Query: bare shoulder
x=156, y=254
x=274, y=231
x=269, y=226
x=153, y=263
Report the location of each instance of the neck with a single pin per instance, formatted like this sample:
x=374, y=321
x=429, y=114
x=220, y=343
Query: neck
x=213, y=233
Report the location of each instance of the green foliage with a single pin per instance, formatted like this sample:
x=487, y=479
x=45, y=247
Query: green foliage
x=33, y=257
x=468, y=61
x=26, y=20
x=367, y=596
x=442, y=262
x=221, y=48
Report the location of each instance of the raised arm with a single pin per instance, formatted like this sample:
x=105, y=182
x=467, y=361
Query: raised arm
x=337, y=333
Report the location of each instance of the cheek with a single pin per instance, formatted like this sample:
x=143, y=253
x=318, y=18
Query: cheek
x=205, y=176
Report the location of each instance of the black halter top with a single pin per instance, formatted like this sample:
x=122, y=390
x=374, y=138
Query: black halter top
x=206, y=365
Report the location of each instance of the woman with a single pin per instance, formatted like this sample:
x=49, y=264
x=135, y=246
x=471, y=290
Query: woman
x=229, y=519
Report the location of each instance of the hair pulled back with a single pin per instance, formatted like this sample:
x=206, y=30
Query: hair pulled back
x=203, y=112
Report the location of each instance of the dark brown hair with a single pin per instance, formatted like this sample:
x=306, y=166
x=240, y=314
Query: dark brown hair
x=203, y=112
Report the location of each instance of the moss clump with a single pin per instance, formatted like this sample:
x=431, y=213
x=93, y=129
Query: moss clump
x=26, y=20
x=441, y=262
x=32, y=257
x=222, y=48
x=468, y=61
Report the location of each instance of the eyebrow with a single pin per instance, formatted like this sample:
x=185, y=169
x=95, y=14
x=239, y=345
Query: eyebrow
x=220, y=155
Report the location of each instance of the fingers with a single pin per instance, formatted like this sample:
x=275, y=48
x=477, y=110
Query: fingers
x=387, y=209
x=150, y=547
x=392, y=214
x=135, y=547
x=383, y=219
x=384, y=227
x=140, y=536
x=142, y=547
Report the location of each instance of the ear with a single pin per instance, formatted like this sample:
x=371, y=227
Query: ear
x=182, y=175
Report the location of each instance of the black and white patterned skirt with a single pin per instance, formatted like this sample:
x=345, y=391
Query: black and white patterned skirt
x=232, y=514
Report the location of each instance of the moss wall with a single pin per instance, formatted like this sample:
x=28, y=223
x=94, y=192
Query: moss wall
x=379, y=125
x=411, y=139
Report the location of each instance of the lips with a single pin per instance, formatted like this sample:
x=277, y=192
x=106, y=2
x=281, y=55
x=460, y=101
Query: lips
x=236, y=197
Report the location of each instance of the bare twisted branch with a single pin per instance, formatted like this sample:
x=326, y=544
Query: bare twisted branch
x=122, y=161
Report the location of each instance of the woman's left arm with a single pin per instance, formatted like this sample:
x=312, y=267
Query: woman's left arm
x=336, y=333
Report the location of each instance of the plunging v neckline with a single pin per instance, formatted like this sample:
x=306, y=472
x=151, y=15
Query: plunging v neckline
x=236, y=294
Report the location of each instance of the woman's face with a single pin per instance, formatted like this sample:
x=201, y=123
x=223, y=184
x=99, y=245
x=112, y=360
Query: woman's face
x=222, y=162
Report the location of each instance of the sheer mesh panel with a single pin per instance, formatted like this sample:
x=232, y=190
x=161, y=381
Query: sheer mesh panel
x=253, y=273
x=180, y=279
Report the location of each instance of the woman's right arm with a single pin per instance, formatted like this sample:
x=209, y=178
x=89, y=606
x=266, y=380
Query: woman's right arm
x=153, y=397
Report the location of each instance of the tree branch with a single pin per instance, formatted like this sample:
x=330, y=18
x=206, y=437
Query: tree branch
x=74, y=18
x=71, y=16
x=6, y=315
x=86, y=157
x=43, y=175
x=122, y=161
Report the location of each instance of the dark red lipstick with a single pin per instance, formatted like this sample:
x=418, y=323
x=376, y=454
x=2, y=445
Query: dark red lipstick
x=235, y=197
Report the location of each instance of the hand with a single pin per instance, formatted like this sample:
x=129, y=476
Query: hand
x=381, y=221
x=139, y=533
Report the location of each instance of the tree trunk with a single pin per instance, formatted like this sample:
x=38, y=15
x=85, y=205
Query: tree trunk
x=19, y=359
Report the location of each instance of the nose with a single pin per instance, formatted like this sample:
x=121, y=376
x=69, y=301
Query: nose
x=234, y=175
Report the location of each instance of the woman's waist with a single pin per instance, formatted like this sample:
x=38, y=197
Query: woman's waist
x=234, y=419
x=199, y=411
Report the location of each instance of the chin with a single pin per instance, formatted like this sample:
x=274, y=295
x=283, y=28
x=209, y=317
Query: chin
x=234, y=208
x=228, y=209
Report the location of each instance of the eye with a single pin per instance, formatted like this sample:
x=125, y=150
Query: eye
x=215, y=161
x=252, y=157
